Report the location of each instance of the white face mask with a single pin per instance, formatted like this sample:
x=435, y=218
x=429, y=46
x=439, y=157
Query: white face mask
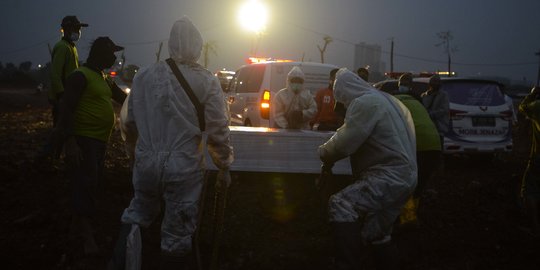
x=75, y=36
x=296, y=87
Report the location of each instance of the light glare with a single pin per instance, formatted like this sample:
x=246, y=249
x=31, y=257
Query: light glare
x=252, y=16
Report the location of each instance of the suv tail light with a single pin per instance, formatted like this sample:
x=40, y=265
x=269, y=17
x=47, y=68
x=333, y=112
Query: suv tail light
x=507, y=115
x=457, y=114
x=265, y=104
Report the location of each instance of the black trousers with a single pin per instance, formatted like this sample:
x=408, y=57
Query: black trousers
x=85, y=178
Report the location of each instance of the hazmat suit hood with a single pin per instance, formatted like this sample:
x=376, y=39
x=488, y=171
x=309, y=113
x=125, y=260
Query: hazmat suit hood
x=349, y=86
x=295, y=72
x=185, y=41
x=287, y=100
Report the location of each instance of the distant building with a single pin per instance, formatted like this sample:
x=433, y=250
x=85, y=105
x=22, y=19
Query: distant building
x=369, y=55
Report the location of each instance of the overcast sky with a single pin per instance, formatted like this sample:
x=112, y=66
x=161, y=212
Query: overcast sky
x=492, y=37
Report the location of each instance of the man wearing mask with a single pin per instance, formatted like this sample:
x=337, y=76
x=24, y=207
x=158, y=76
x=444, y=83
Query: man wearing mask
x=326, y=118
x=405, y=85
x=64, y=60
x=86, y=120
x=169, y=154
x=437, y=104
x=378, y=136
x=293, y=107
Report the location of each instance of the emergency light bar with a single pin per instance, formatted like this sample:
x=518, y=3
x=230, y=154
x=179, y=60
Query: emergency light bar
x=256, y=60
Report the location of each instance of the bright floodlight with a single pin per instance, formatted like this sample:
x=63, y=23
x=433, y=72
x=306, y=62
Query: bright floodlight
x=252, y=16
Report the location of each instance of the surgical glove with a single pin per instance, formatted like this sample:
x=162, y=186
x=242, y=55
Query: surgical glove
x=72, y=152
x=325, y=158
x=325, y=176
x=298, y=116
x=295, y=119
x=326, y=168
x=223, y=179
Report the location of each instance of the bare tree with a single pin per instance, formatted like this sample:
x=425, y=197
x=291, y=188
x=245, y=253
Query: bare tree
x=209, y=47
x=159, y=51
x=446, y=37
x=25, y=66
x=327, y=40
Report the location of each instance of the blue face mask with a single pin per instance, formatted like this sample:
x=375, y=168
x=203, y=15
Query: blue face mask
x=403, y=89
x=296, y=87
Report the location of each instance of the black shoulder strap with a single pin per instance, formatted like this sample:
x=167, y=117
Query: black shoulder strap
x=198, y=106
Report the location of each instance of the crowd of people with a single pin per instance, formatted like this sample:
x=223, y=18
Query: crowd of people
x=394, y=142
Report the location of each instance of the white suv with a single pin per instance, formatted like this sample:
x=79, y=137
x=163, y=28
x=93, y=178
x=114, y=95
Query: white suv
x=480, y=117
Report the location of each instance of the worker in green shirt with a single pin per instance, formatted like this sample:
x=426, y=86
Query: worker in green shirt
x=64, y=60
x=530, y=189
x=428, y=145
x=85, y=123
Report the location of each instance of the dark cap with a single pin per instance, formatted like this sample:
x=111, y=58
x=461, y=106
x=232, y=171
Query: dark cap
x=105, y=44
x=72, y=21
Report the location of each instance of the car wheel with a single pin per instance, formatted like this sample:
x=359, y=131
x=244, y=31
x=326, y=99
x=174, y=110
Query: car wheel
x=247, y=123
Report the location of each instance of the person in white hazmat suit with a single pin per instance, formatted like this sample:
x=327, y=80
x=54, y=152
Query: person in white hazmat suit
x=378, y=136
x=293, y=107
x=169, y=163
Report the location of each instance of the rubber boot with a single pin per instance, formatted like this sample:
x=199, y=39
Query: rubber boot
x=348, y=245
x=385, y=256
x=172, y=261
x=118, y=260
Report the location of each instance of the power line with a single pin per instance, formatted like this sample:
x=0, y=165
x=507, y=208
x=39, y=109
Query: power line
x=25, y=48
x=413, y=57
x=139, y=43
x=144, y=42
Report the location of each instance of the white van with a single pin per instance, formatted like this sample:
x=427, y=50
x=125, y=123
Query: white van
x=253, y=86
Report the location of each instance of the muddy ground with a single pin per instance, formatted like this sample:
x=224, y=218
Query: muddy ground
x=471, y=220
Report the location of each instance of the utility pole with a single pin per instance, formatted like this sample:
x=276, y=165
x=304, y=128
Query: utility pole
x=538, y=76
x=446, y=37
x=391, y=55
x=50, y=50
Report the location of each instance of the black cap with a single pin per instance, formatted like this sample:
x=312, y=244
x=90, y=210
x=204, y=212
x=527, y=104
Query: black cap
x=105, y=44
x=72, y=21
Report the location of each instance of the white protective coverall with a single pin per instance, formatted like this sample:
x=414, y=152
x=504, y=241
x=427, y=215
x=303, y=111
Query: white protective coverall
x=378, y=135
x=169, y=153
x=286, y=100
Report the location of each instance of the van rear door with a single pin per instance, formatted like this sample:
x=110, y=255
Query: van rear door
x=244, y=93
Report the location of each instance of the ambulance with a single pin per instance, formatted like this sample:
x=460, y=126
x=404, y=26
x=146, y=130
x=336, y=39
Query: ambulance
x=253, y=86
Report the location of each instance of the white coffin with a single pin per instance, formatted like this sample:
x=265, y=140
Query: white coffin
x=259, y=149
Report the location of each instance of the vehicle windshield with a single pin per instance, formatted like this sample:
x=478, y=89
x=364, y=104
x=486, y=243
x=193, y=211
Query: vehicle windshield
x=474, y=93
x=249, y=79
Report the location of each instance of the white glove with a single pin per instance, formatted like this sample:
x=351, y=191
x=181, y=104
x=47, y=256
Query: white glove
x=223, y=178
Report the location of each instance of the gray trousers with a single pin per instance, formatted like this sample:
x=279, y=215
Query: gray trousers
x=372, y=203
x=156, y=177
